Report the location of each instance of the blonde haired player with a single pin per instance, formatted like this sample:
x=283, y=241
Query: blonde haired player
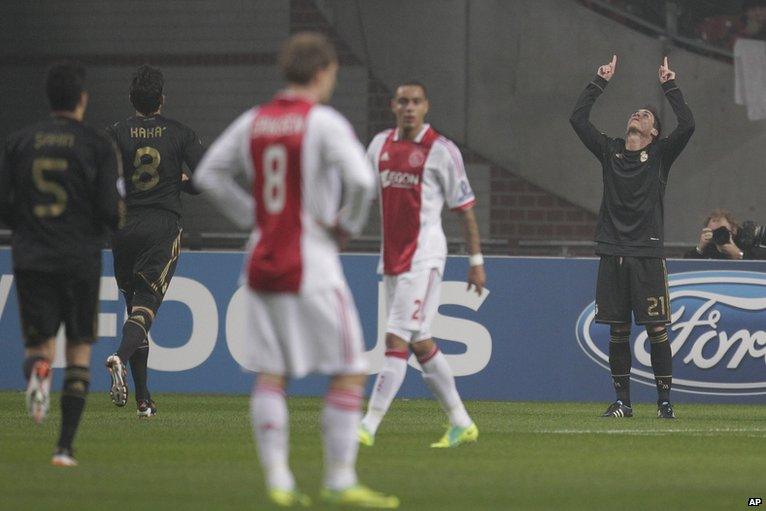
x=311, y=187
x=419, y=170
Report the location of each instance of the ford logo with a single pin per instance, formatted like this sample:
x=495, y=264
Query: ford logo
x=717, y=336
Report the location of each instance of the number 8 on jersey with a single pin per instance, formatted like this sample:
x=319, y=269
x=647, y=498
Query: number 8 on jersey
x=274, y=173
x=275, y=146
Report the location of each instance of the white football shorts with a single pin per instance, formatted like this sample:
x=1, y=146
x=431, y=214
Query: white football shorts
x=412, y=299
x=294, y=335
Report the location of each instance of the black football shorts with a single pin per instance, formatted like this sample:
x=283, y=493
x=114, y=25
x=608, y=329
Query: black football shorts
x=146, y=253
x=46, y=300
x=637, y=285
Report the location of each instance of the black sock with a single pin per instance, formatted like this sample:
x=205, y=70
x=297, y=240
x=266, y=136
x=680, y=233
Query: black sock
x=620, y=363
x=29, y=364
x=134, y=333
x=74, y=391
x=662, y=363
x=138, y=369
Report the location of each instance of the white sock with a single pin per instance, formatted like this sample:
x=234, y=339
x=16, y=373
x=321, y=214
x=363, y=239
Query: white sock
x=387, y=385
x=438, y=377
x=271, y=429
x=340, y=419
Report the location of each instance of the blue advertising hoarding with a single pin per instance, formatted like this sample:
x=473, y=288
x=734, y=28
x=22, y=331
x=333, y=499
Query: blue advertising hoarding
x=531, y=336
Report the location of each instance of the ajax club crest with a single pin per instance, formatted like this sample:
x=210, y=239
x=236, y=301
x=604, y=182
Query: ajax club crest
x=417, y=158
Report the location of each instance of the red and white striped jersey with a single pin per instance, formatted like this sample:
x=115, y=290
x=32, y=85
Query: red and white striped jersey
x=416, y=178
x=308, y=173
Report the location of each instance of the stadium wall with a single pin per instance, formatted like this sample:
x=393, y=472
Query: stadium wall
x=218, y=58
x=504, y=77
x=222, y=61
x=530, y=337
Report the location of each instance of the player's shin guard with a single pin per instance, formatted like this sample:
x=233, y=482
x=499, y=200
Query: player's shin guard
x=134, y=333
x=138, y=368
x=73, y=394
x=620, y=363
x=387, y=385
x=268, y=410
x=662, y=363
x=340, y=420
x=439, y=379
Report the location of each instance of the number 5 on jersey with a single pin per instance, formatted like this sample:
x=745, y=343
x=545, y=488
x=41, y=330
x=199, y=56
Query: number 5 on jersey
x=47, y=176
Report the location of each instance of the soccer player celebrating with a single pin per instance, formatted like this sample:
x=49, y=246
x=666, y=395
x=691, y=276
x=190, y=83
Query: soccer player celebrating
x=629, y=235
x=311, y=188
x=59, y=194
x=154, y=149
x=419, y=170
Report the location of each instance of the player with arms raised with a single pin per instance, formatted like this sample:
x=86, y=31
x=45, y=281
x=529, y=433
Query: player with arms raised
x=154, y=149
x=632, y=277
x=419, y=170
x=311, y=187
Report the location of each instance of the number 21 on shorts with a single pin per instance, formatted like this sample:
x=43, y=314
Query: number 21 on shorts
x=654, y=303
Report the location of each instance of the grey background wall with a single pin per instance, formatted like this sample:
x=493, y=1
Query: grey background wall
x=218, y=59
x=503, y=76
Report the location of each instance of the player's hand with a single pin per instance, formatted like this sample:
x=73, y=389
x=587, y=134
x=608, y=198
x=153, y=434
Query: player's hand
x=476, y=278
x=607, y=70
x=184, y=177
x=665, y=72
x=705, y=237
x=341, y=236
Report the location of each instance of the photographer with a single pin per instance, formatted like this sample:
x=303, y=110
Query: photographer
x=723, y=238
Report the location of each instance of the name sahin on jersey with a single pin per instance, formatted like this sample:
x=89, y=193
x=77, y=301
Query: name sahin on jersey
x=53, y=139
x=278, y=126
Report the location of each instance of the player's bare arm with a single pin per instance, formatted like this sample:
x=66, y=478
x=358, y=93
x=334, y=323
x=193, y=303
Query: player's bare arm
x=476, y=275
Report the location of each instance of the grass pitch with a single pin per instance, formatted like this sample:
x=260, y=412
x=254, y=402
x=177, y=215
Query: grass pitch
x=198, y=454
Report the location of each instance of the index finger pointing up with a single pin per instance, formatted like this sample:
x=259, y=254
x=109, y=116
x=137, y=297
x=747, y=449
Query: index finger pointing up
x=614, y=61
x=665, y=63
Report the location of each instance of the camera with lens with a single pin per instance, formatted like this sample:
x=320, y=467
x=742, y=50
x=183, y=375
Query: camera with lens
x=751, y=235
x=722, y=235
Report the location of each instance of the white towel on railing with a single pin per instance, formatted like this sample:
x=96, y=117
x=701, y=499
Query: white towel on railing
x=750, y=77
